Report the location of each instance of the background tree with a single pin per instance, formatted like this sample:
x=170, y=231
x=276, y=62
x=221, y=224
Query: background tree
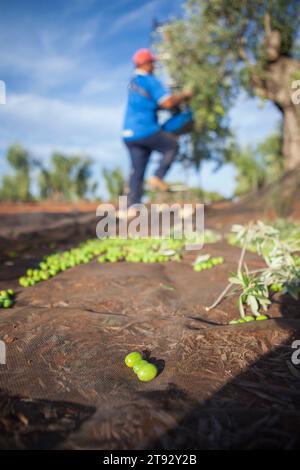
x=221, y=47
x=16, y=187
x=250, y=171
x=257, y=166
x=270, y=151
x=83, y=184
x=67, y=178
x=115, y=182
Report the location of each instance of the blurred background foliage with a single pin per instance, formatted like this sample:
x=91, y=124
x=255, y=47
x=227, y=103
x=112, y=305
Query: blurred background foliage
x=70, y=177
x=219, y=48
x=115, y=182
x=66, y=178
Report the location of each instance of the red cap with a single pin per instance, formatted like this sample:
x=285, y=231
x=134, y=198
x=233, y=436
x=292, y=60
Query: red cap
x=143, y=56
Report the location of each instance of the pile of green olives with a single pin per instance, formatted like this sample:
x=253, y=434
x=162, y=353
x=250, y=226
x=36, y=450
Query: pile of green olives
x=147, y=250
x=208, y=264
x=56, y=263
x=7, y=298
x=139, y=251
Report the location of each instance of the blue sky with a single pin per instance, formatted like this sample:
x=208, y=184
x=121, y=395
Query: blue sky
x=66, y=65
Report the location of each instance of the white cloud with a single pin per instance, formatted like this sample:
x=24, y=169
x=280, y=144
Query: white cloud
x=51, y=55
x=78, y=6
x=134, y=17
x=38, y=70
x=44, y=125
x=58, y=116
x=96, y=86
x=63, y=102
x=103, y=80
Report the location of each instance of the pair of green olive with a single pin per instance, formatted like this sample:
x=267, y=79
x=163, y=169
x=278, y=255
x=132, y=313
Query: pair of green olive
x=276, y=287
x=248, y=318
x=7, y=298
x=145, y=370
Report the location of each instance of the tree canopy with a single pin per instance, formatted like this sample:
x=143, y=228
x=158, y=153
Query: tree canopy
x=16, y=187
x=220, y=47
x=67, y=178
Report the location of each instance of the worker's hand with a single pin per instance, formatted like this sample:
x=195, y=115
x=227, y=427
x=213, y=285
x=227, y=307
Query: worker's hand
x=187, y=94
x=174, y=100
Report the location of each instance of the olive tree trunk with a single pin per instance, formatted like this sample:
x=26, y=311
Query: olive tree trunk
x=291, y=137
x=276, y=85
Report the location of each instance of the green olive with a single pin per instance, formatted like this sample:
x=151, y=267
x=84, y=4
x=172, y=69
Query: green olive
x=147, y=373
x=249, y=318
x=262, y=317
x=132, y=358
x=276, y=287
x=138, y=365
x=22, y=281
x=7, y=303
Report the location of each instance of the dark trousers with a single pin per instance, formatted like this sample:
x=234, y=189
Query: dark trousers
x=140, y=151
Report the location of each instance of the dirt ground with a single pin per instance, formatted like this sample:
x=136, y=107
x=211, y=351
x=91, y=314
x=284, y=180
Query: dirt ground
x=65, y=384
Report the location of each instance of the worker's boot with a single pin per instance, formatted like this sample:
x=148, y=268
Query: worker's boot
x=156, y=183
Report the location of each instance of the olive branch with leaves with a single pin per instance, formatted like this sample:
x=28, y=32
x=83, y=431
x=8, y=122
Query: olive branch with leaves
x=281, y=267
